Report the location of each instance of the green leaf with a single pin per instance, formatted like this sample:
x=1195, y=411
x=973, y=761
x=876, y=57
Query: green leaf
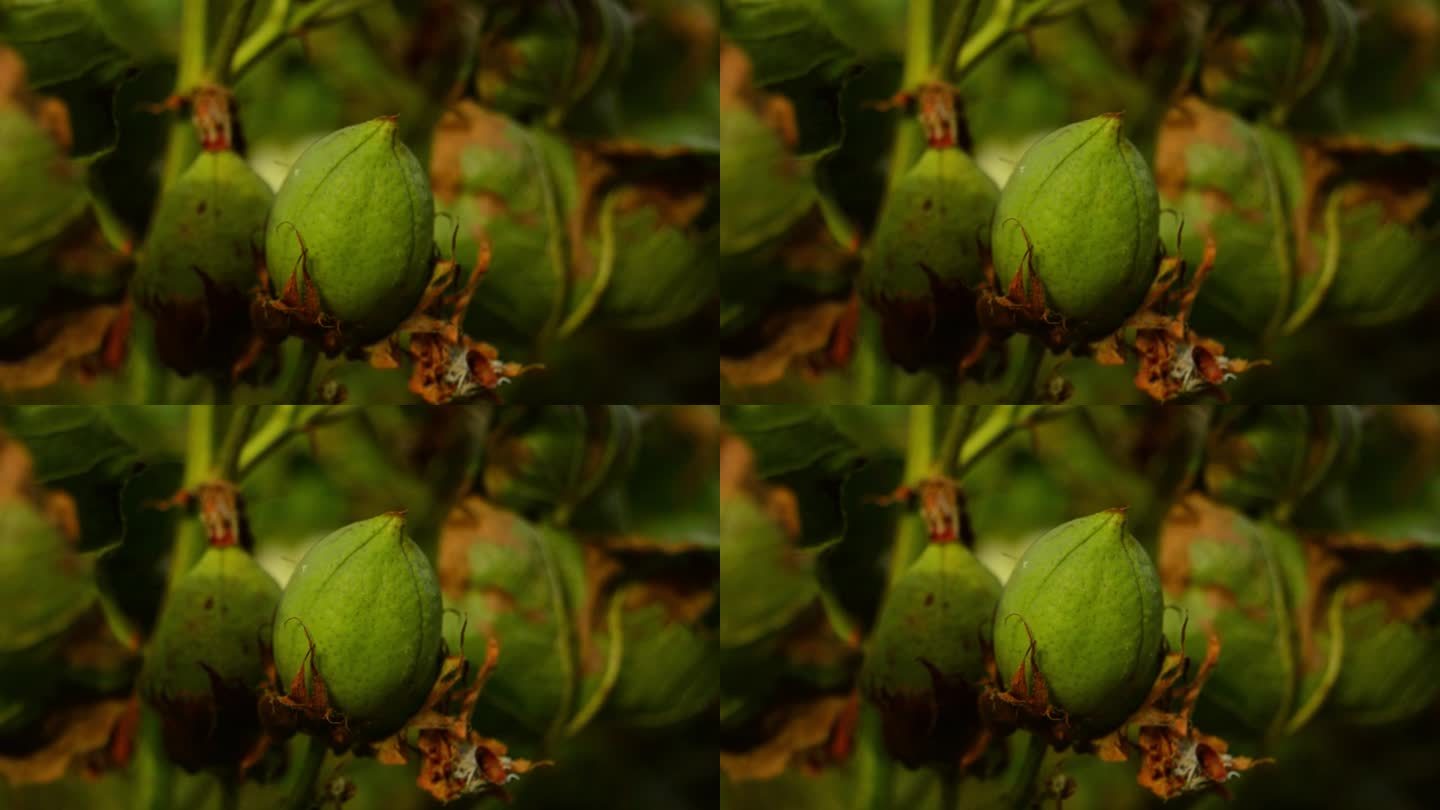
x=67, y=440
x=793, y=439
x=784, y=38
x=58, y=39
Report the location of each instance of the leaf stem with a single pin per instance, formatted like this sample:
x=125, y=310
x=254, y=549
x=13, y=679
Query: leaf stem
x=1335, y=619
x=1023, y=388
x=1328, y=270
x=235, y=435
x=302, y=790
x=611, y=676
x=947, y=65
x=279, y=24
x=229, y=39
x=1022, y=792
x=604, y=268
x=298, y=392
x=962, y=418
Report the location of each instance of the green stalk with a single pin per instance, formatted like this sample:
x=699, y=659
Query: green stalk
x=947, y=63
x=919, y=457
x=1336, y=621
x=919, y=40
x=199, y=462
x=1329, y=269
x=298, y=391
x=874, y=769
x=1023, y=387
x=302, y=790
x=153, y=775
x=994, y=31
x=1022, y=792
x=605, y=267
x=228, y=41
x=280, y=24
x=235, y=435
x=182, y=145
x=962, y=418
x=613, y=658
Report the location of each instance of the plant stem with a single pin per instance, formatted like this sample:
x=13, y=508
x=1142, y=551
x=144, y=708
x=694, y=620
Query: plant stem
x=910, y=533
x=302, y=790
x=1022, y=793
x=947, y=66
x=279, y=24
x=605, y=266
x=611, y=675
x=229, y=40
x=962, y=417
x=1335, y=620
x=919, y=40
x=182, y=143
x=874, y=769
x=235, y=435
x=199, y=462
x=1023, y=388
x=996, y=28
x=154, y=775
x=1329, y=269
x=194, y=33
x=298, y=391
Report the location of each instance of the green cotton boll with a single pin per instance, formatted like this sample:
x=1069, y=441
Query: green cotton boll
x=368, y=599
x=926, y=657
x=1256, y=59
x=1084, y=201
x=217, y=617
x=502, y=196
x=1388, y=245
x=506, y=590
x=41, y=191
x=1090, y=596
x=206, y=660
x=360, y=202
x=1237, y=182
x=48, y=586
x=530, y=62
x=198, y=270
x=147, y=30
x=59, y=40
x=1388, y=663
x=926, y=257
x=1238, y=578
